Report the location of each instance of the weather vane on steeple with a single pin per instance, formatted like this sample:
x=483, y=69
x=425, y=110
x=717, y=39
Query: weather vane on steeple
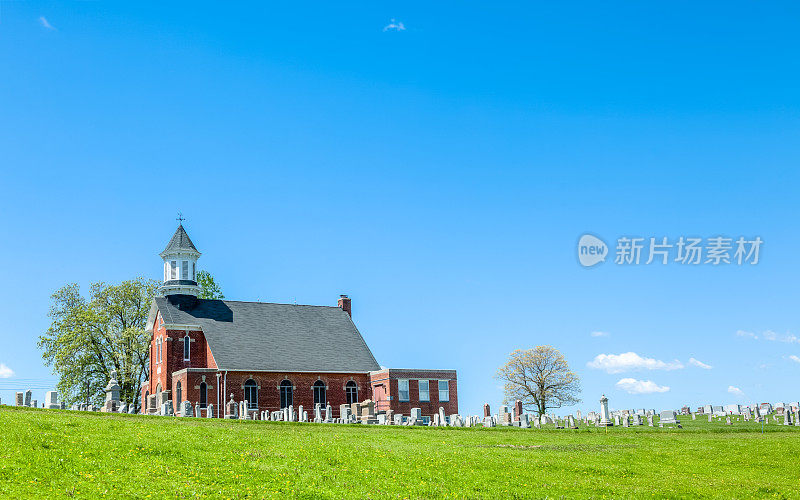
x=180, y=218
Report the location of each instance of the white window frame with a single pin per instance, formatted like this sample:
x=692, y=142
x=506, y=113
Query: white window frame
x=427, y=391
x=400, y=383
x=446, y=391
x=187, y=345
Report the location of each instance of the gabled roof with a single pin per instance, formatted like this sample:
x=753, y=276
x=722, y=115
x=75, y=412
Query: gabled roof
x=273, y=337
x=180, y=241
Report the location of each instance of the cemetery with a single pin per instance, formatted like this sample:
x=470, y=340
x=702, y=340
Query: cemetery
x=356, y=451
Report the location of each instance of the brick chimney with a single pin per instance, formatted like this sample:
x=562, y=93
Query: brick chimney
x=346, y=304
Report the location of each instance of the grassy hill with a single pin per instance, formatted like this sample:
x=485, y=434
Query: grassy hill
x=46, y=453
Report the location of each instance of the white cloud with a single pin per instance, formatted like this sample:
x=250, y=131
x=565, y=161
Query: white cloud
x=45, y=23
x=633, y=386
x=599, y=334
x=5, y=372
x=742, y=333
x=699, y=364
x=787, y=337
x=618, y=363
x=735, y=390
x=794, y=358
x=394, y=26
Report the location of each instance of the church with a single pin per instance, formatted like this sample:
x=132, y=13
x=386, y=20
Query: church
x=270, y=355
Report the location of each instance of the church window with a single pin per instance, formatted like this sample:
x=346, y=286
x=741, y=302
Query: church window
x=286, y=394
x=185, y=270
x=444, y=390
x=424, y=390
x=178, y=393
x=351, y=392
x=186, y=343
x=319, y=392
x=203, y=395
x=402, y=389
x=251, y=394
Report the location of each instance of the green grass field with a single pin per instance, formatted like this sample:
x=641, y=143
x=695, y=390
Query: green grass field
x=46, y=453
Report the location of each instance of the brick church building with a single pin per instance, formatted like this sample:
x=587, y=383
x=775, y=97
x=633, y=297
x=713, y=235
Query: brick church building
x=271, y=355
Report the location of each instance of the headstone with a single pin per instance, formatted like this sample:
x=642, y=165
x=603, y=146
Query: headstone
x=20, y=399
x=35, y=404
x=112, y=394
x=416, y=416
x=488, y=421
x=198, y=412
x=442, y=419
x=668, y=417
x=616, y=420
x=210, y=411
x=231, y=409
x=486, y=411
x=328, y=413
x=650, y=420
x=167, y=410
x=787, y=417
x=318, y=413
x=186, y=409
x=398, y=419
x=517, y=409
x=123, y=408
x=710, y=418
x=28, y=396
x=605, y=420
x=51, y=400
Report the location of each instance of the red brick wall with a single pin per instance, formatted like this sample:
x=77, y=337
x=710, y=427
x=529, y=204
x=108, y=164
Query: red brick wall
x=269, y=394
x=386, y=394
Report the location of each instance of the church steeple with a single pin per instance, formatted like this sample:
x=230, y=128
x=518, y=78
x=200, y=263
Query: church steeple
x=180, y=264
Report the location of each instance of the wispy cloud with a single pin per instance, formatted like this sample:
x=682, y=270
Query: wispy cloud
x=5, y=372
x=699, y=364
x=633, y=386
x=45, y=23
x=394, y=25
x=770, y=335
x=618, y=363
x=735, y=390
x=599, y=334
x=794, y=358
x=742, y=333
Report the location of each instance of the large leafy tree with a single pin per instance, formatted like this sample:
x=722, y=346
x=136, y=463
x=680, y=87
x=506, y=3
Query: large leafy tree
x=91, y=336
x=209, y=289
x=540, y=378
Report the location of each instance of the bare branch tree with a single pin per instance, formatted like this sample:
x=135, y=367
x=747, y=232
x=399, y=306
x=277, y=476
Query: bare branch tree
x=540, y=378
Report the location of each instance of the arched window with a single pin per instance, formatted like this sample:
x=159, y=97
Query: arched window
x=178, y=393
x=186, y=343
x=286, y=394
x=319, y=392
x=251, y=394
x=203, y=395
x=351, y=391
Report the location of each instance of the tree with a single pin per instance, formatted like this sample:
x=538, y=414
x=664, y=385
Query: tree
x=540, y=378
x=209, y=289
x=89, y=337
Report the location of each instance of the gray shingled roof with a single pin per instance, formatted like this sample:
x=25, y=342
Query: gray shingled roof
x=274, y=337
x=180, y=241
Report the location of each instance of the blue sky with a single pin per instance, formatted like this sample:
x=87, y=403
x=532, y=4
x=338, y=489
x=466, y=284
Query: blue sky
x=441, y=174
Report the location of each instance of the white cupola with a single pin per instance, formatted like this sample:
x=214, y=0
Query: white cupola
x=180, y=265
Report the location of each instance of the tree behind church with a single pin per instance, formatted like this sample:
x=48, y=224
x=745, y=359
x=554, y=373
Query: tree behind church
x=90, y=336
x=540, y=378
x=209, y=289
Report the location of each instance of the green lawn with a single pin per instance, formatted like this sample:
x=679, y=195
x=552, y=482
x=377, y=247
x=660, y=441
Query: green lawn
x=45, y=453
